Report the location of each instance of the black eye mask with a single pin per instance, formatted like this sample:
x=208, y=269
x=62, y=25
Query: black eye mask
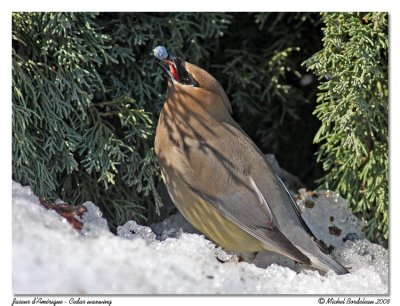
x=184, y=76
x=175, y=67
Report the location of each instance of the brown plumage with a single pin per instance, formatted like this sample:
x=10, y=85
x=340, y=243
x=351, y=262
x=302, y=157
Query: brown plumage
x=219, y=179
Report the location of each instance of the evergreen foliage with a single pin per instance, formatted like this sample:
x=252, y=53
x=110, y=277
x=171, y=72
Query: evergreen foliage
x=76, y=136
x=87, y=92
x=353, y=109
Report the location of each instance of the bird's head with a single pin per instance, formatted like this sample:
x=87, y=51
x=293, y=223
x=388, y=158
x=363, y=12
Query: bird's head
x=187, y=77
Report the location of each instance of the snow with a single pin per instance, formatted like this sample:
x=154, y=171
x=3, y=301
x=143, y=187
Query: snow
x=171, y=257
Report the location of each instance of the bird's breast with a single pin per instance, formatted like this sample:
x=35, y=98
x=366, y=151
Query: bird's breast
x=185, y=139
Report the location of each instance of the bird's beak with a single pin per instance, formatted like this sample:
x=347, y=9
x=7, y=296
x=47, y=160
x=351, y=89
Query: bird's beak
x=164, y=66
x=170, y=67
x=175, y=67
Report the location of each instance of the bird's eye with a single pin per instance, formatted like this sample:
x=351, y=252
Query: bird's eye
x=188, y=79
x=185, y=77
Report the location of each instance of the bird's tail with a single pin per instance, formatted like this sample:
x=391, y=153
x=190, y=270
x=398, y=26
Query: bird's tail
x=325, y=262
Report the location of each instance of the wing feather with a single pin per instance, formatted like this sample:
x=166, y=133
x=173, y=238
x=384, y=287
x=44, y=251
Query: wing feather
x=248, y=210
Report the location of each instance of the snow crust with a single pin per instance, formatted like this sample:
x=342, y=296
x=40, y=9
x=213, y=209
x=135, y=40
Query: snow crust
x=171, y=257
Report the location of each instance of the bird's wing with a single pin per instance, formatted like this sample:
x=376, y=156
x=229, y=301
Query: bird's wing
x=221, y=175
x=248, y=210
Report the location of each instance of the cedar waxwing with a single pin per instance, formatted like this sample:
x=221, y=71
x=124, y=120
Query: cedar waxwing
x=218, y=178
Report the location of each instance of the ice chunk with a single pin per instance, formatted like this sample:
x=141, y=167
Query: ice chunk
x=131, y=230
x=93, y=222
x=329, y=218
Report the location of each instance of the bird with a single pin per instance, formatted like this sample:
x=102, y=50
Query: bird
x=218, y=178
